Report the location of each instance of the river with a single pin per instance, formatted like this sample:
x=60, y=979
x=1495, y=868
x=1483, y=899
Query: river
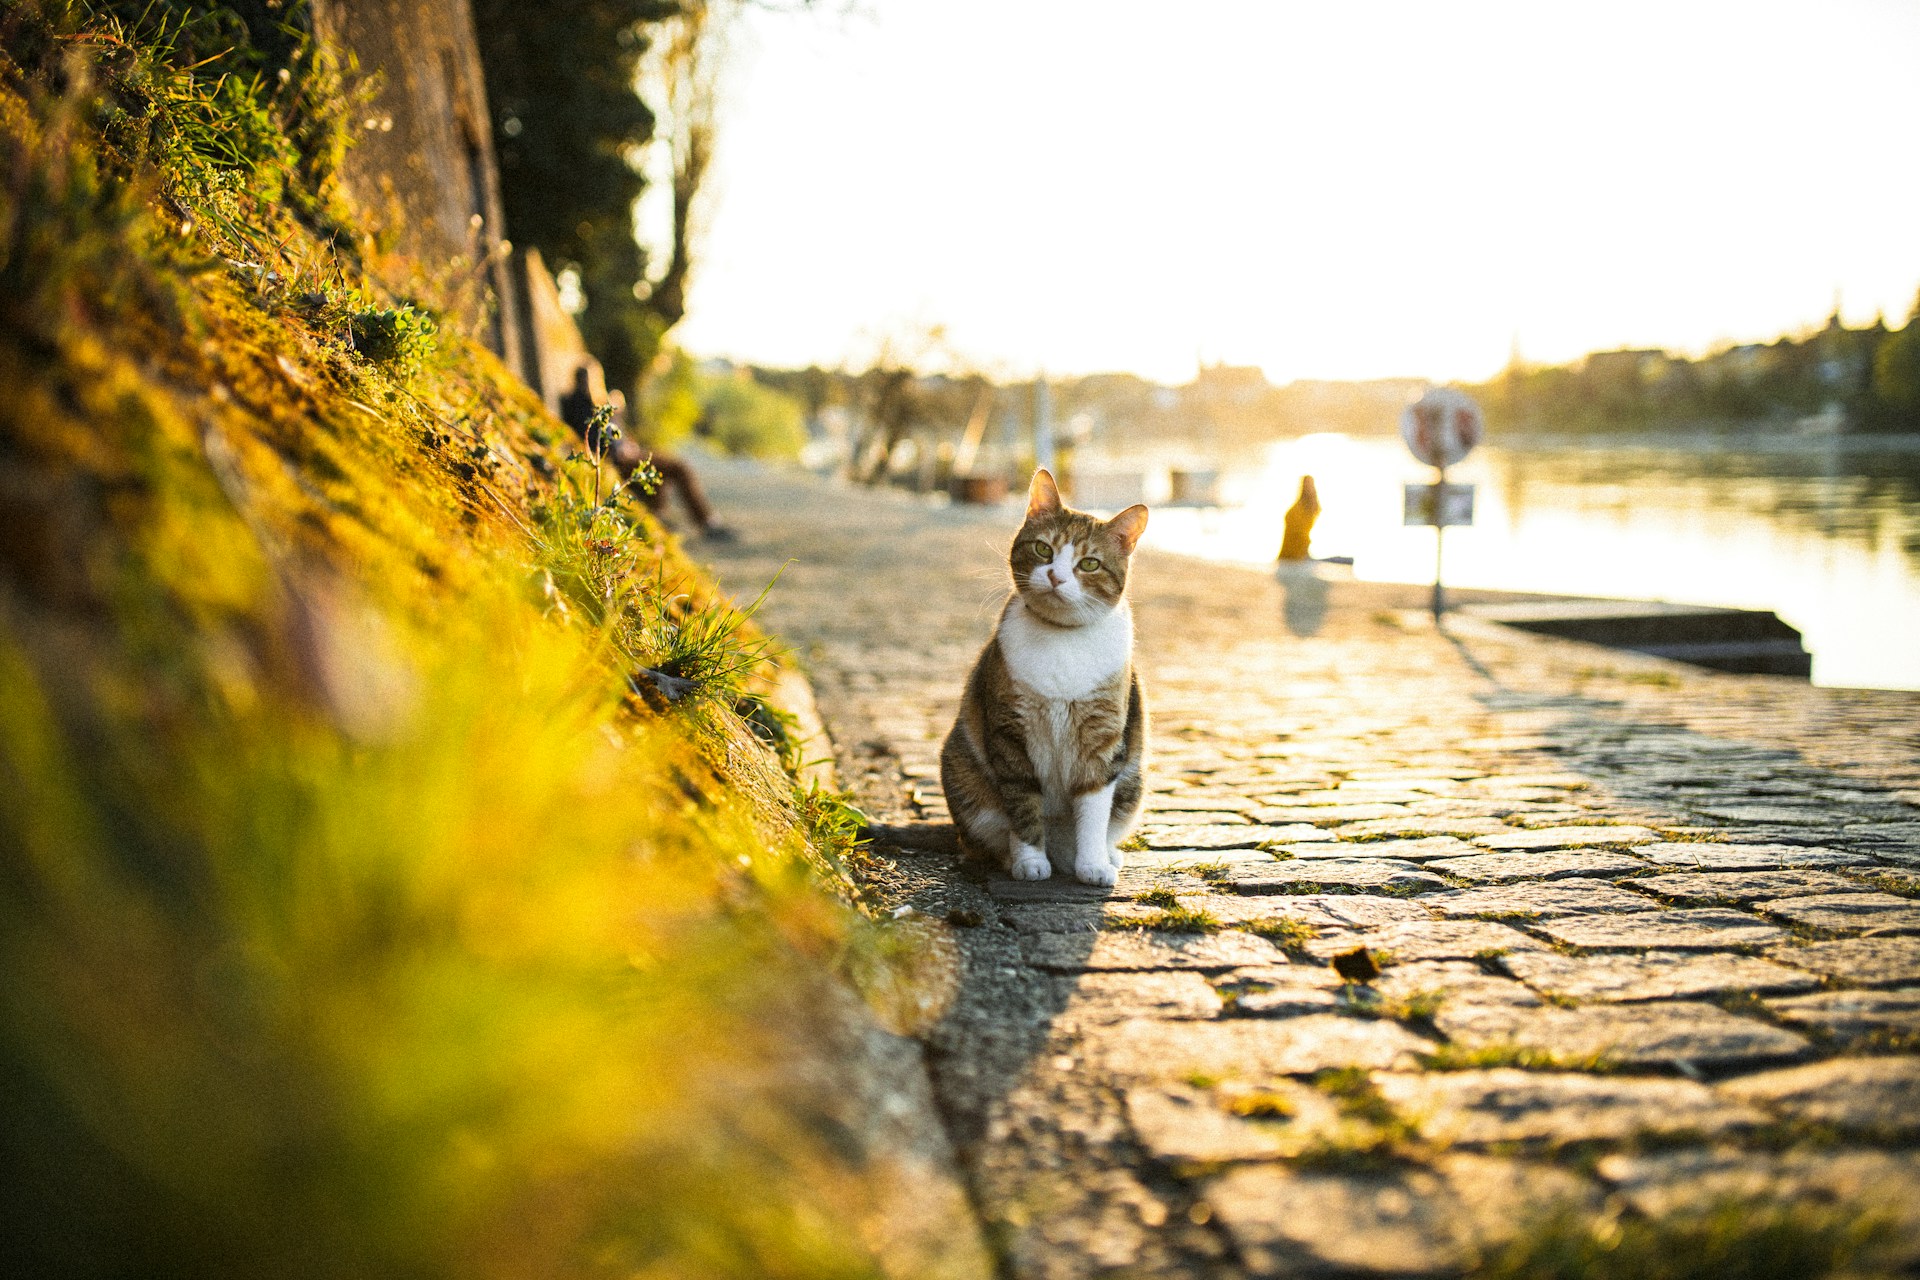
x=1826, y=533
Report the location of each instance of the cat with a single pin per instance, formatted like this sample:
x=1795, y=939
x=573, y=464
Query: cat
x=1045, y=766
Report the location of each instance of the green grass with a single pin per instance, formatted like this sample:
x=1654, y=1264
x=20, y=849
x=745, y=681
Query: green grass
x=1213, y=871
x=1373, y=1132
x=1734, y=1240
x=1453, y=1057
x=1285, y=931
x=1903, y=884
x=1262, y=1105
x=1414, y=1006
x=1175, y=919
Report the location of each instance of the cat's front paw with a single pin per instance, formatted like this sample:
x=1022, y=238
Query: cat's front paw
x=1096, y=870
x=1029, y=863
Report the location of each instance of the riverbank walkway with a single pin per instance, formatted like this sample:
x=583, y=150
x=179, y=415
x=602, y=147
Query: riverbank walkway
x=1647, y=937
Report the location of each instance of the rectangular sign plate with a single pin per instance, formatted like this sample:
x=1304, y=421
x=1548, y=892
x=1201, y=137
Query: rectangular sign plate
x=1439, y=504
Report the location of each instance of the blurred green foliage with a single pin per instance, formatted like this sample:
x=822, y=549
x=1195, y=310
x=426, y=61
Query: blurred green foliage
x=745, y=418
x=674, y=403
x=1731, y=1240
x=568, y=126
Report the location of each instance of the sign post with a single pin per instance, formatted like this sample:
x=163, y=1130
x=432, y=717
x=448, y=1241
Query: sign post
x=1440, y=429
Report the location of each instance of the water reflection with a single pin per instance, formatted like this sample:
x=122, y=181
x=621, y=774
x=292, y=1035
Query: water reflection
x=1303, y=592
x=1826, y=536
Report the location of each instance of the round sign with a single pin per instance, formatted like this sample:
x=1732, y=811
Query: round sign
x=1442, y=427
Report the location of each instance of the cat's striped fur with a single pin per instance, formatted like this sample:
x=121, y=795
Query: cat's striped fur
x=1044, y=767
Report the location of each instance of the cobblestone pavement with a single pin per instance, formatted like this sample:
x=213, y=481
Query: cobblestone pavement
x=1646, y=936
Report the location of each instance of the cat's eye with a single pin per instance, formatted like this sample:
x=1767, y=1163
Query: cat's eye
x=1042, y=548
x=1089, y=564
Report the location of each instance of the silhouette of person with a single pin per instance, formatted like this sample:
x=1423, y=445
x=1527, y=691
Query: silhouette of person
x=1297, y=531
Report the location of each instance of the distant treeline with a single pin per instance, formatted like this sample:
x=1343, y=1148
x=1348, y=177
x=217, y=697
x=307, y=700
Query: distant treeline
x=1865, y=380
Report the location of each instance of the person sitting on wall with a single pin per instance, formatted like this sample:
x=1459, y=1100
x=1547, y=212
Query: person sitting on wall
x=1297, y=530
x=577, y=409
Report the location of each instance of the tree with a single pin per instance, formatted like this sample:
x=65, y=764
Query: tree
x=1896, y=374
x=564, y=80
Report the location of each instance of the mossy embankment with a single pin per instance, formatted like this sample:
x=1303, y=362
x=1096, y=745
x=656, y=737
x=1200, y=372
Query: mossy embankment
x=364, y=908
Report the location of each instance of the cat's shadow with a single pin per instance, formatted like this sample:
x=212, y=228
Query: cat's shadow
x=1022, y=950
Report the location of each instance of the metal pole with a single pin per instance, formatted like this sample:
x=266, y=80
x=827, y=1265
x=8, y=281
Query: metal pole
x=1042, y=424
x=1439, y=540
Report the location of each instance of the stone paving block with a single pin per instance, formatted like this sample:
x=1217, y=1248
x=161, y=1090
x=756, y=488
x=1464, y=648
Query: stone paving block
x=1152, y=860
x=1182, y=1124
x=1560, y=780
x=1336, y=910
x=1068, y=917
x=1460, y=984
x=1227, y=836
x=1545, y=864
x=1312, y=875
x=1409, y=1221
x=1159, y=818
x=1233, y=910
x=1566, y=838
x=1417, y=828
x=1869, y=913
x=1869, y=962
x=1848, y=1016
x=1775, y=814
x=1541, y=899
x=1479, y=1108
x=1420, y=850
x=1347, y=795
x=1694, y=1181
x=1702, y=856
x=1138, y=950
x=1253, y=1049
x=1879, y=1096
x=1183, y=802
x=1746, y=886
x=1060, y=888
x=1290, y=1001
x=1114, y=997
x=1653, y=975
x=1327, y=815
x=1431, y=940
x=1631, y=1035
x=1284, y=991
x=1692, y=929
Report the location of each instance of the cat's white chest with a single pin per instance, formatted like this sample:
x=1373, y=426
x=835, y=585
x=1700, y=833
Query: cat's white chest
x=1065, y=663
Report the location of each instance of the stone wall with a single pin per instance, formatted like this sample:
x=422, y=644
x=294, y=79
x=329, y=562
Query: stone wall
x=425, y=151
x=554, y=348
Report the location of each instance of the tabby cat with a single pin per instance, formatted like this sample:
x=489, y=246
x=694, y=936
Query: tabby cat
x=1044, y=766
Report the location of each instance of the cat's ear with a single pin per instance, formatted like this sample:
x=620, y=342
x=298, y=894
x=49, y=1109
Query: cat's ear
x=1128, y=526
x=1043, y=495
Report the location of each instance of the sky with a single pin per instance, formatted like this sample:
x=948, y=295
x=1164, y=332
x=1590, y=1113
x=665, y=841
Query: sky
x=1344, y=189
